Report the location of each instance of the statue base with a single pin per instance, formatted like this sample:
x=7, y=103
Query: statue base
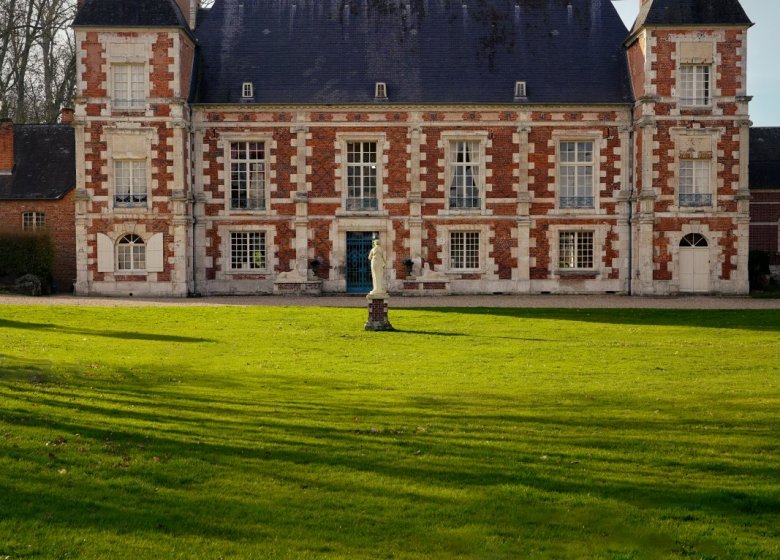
x=377, y=313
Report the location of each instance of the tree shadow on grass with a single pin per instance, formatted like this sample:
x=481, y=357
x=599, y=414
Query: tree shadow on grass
x=751, y=320
x=310, y=445
x=124, y=335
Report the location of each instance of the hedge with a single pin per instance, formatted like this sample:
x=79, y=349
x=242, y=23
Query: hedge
x=26, y=253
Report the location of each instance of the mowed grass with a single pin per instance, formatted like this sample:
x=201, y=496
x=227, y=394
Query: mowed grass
x=290, y=433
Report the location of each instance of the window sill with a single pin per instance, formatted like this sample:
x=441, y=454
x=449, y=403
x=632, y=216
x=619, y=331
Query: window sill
x=357, y=213
x=577, y=274
x=251, y=272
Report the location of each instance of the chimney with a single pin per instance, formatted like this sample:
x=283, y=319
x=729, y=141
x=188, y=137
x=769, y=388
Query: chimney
x=6, y=146
x=66, y=115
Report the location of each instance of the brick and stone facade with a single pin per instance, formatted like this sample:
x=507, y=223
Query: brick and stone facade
x=519, y=235
x=37, y=189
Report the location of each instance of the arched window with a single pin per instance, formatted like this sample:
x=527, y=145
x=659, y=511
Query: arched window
x=693, y=240
x=131, y=254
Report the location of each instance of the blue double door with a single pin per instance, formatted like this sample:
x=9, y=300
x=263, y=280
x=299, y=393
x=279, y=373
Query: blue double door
x=358, y=269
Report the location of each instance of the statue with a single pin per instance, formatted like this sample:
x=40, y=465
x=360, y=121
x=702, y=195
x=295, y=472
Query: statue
x=378, y=263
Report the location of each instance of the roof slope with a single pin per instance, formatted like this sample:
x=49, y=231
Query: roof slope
x=427, y=51
x=765, y=158
x=691, y=12
x=130, y=13
x=44, y=163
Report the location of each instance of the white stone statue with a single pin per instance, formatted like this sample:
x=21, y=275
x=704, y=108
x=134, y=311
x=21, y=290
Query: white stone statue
x=378, y=264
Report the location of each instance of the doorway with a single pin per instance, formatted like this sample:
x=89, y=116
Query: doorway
x=358, y=269
x=694, y=264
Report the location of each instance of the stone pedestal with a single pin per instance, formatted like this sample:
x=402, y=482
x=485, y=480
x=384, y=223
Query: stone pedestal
x=377, y=313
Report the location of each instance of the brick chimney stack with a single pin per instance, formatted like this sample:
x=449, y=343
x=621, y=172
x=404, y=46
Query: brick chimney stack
x=6, y=146
x=66, y=115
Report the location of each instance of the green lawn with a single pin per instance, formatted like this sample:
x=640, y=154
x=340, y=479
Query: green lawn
x=290, y=433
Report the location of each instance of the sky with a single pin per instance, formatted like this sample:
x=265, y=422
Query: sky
x=763, y=68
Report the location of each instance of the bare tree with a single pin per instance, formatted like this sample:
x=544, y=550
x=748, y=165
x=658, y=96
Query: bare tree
x=37, y=59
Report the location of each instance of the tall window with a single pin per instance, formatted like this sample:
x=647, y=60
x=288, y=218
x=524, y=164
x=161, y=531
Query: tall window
x=464, y=174
x=694, y=84
x=129, y=86
x=695, y=182
x=464, y=250
x=576, y=250
x=247, y=175
x=576, y=175
x=32, y=221
x=131, y=254
x=130, y=183
x=247, y=250
x=361, y=176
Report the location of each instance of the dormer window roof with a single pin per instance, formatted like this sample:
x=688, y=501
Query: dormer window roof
x=521, y=93
x=380, y=91
x=247, y=91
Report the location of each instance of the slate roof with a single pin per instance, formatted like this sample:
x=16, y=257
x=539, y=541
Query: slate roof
x=44, y=163
x=691, y=12
x=765, y=158
x=427, y=51
x=130, y=13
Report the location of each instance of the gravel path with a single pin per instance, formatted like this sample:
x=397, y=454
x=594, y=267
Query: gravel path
x=536, y=301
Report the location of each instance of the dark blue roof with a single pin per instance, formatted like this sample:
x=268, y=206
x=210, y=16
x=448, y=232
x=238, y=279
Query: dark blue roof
x=765, y=158
x=427, y=51
x=691, y=12
x=44, y=163
x=130, y=13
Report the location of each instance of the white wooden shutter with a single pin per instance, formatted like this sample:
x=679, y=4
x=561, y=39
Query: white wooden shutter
x=154, y=253
x=105, y=253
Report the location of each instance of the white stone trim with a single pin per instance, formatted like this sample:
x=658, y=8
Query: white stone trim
x=224, y=272
x=225, y=139
x=129, y=144
x=446, y=138
x=599, y=176
x=487, y=264
x=696, y=141
x=382, y=161
x=600, y=232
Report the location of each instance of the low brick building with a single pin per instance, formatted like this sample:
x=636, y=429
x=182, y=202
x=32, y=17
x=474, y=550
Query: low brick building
x=510, y=146
x=765, y=191
x=37, y=188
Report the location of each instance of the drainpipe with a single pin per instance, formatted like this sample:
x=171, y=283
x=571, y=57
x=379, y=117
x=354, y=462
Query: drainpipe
x=191, y=151
x=631, y=175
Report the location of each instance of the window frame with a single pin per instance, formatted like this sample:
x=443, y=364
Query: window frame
x=700, y=197
x=576, y=165
x=129, y=103
x=465, y=249
x=692, y=98
x=226, y=141
x=577, y=234
x=36, y=222
x=132, y=245
x=448, y=139
x=231, y=251
x=362, y=166
x=144, y=174
x=342, y=170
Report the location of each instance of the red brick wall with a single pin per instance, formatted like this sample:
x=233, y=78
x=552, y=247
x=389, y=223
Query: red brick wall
x=765, y=209
x=61, y=224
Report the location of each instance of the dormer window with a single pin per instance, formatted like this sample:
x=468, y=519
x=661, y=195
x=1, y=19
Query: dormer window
x=520, y=91
x=380, y=91
x=247, y=90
